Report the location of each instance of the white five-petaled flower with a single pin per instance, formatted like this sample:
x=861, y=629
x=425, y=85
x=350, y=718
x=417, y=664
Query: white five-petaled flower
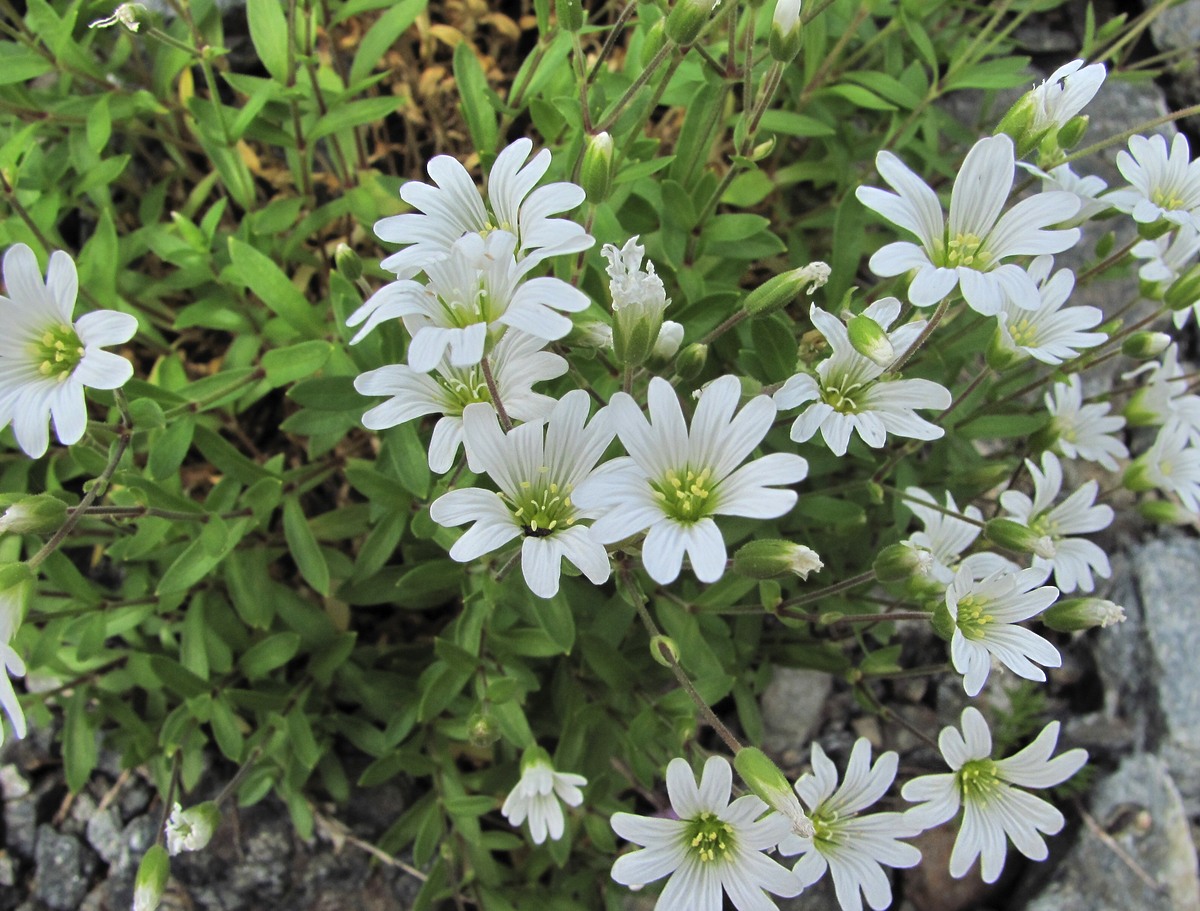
x=1084, y=431
x=1172, y=464
x=537, y=795
x=1163, y=185
x=989, y=791
x=454, y=207
x=191, y=829
x=675, y=480
x=849, y=394
x=45, y=358
x=945, y=537
x=714, y=846
x=968, y=252
x=1064, y=94
x=986, y=613
x=1168, y=257
x=854, y=848
x=1164, y=398
x=473, y=293
x=1050, y=333
x=1075, y=559
x=537, y=467
x=1087, y=189
x=518, y=362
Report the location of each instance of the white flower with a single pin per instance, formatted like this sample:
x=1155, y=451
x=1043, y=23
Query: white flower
x=1050, y=333
x=640, y=293
x=518, y=362
x=1162, y=185
x=45, y=359
x=968, y=253
x=453, y=208
x=984, y=787
x=854, y=848
x=786, y=17
x=537, y=467
x=1168, y=257
x=945, y=537
x=126, y=14
x=1064, y=94
x=1074, y=559
x=1086, y=189
x=11, y=664
x=475, y=291
x=674, y=480
x=848, y=393
x=537, y=797
x=670, y=337
x=1164, y=399
x=1084, y=431
x=713, y=847
x=1171, y=464
x=985, y=614
x=191, y=829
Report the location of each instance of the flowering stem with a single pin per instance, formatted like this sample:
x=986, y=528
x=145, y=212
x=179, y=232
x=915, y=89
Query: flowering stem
x=99, y=486
x=821, y=619
x=1125, y=134
x=724, y=327
x=494, y=391
x=844, y=585
x=681, y=676
x=642, y=78
x=942, y=307
x=611, y=41
x=169, y=803
x=1108, y=262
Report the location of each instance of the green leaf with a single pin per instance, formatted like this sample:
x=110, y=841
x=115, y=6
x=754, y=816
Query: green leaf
x=258, y=272
x=355, y=113
x=1000, y=73
x=792, y=124
x=269, y=32
x=79, y=741
x=303, y=545
x=226, y=730
x=274, y=651
x=286, y=365
x=1003, y=426
x=473, y=91
x=382, y=35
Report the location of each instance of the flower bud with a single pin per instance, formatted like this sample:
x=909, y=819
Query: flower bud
x=570, y=14
x=784, y=43
x=1142, y=346
x=897, y=562
x=1072, y=131
x=1082, y=613
x=482, y=730
x=192, y=829
x=347, y=262
x=1184, y=291
x=686, y=19
x=776, y=293
x=770, y=785
x=691, y=361
x=1015, y=536
x=638, y=300
x=1165, y=512
x=151, y=879
x=1017, y=120
x=39, y=514
x=664, y=650
x=596, y=172
x=670, y=337
x=870, y=340
x=767, y=559
x=653, y=43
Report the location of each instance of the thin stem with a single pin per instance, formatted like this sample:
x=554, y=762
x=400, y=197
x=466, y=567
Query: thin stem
x=169, y=803
x=1108, y=262
x=729, y=323
x=835, y=588
x=942, y=307
x=611, y=40
x=885, y=617
x=642, y=78
x=494, y=391
x=907, y=497
x=1125, y=134
x=890, y=715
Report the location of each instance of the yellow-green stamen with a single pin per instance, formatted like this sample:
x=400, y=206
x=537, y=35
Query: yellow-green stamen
x=686, y=495
x=542, y=507
x=977, y=780
x=962, y=250
x=971, y=617
x=58, y=352
x=711, y=838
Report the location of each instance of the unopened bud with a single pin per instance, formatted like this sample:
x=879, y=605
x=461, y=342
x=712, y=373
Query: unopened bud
x=653, y=43
x=34, y=515
x=691, y=361
x=770, y=785
x=191, y=829
x=1184, y=291
x=596, y=172
x=1015, y=536
x=1017, y=120
x=664, y=650
x=592, y=334
x=1142, y=346
x=767, y=559
x=870, y=340
x=1165, y=512
x=898, y=562
x=482, y=731
x=347, y=262
x=151, y=879
x=686, y=19
x=1072, y=131
x=785, y=40
x=776, y=293
x=670, y=337
x=570, y=14
x=1077, y=614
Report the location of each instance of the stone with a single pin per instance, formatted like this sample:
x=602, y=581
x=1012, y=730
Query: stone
x=12, y=783
x=792, y=707
x=83, y=808
x=20, y=825
x=1143, y=816
x=60, y=881
x=817, y=897
x=929, y=885
x=104, y=834
x=1148, y=663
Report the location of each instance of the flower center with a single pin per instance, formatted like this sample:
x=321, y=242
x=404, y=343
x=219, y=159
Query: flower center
x=1166, y=199
x=464, y=387
x=1023, y=332
x=824, y=825
x=461, y=312
x=542, y=506
x=685, y=495
x=962, y=250
x=1046, y=526
x=977, y=780
x=58, y=352
x=971, y=617
x=842, y=399
x=709, y=837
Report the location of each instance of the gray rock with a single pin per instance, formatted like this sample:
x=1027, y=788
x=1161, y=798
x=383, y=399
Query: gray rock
x=83, y=808
x=12, y=783
x=104, y=834
x=1149, y=662
x=1144, y=818
x=817, y=897
x=792, y=706
x=20, y=825
x=60, y=880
